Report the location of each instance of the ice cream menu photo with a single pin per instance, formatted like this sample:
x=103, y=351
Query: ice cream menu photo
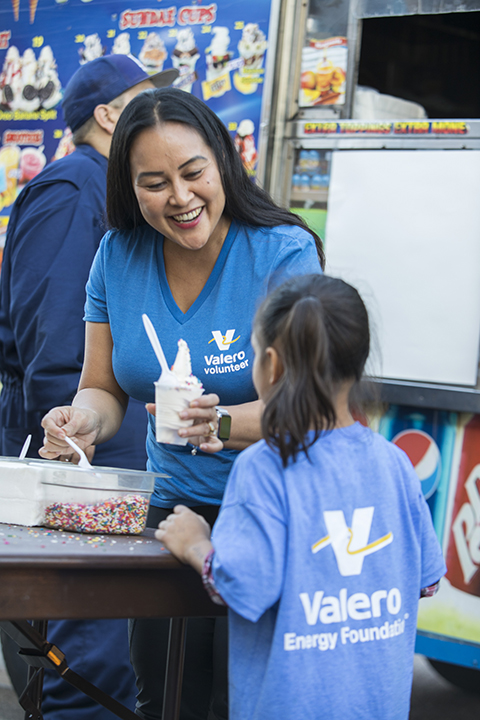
x=220, y=50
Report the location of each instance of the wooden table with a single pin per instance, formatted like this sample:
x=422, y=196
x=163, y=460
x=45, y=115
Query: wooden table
x=54, y=575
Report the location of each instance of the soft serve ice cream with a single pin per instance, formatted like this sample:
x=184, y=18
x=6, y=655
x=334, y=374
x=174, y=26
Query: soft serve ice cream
x=153, y=53
x=174, y=394
x=184, y=59
x=252, y=46
x=218, y=55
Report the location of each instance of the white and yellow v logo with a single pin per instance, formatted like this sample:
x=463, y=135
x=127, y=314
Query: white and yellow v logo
x=223, y=341
x=350, y=544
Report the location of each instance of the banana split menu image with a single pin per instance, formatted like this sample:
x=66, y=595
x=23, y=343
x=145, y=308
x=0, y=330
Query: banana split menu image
x=219, y=49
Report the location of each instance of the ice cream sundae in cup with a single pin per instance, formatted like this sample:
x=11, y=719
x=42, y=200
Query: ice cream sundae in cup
x=92, y=49
x=153, y=53
x=219, y=55
x=184, y=59
x=245, y=144
x=11, y=79
x=48, y=83
x=32, y=162
x=251, y=49
x=174, y=394
x=121, y=44
x=29, y=100
x=252, y=46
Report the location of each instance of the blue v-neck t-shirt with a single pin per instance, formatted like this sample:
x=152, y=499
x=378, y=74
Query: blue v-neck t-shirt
x=128, y=278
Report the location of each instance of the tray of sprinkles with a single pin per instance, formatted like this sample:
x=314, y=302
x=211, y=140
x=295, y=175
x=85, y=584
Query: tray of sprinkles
x=67, y=497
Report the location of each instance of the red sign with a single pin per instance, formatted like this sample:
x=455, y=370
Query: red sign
x=23, y=137
x=166, y=17
x=463, y=551
x=147, y=18
x=197, y=15
x=329, y=42
x=4, y=39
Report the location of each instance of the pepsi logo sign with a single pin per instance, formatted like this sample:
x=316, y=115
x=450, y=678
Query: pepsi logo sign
x=424, y=455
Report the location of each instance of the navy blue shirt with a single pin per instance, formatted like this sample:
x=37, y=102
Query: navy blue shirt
x=53, y=233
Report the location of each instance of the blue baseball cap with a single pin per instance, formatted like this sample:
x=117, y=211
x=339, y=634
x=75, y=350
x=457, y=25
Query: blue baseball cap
x=100, y=81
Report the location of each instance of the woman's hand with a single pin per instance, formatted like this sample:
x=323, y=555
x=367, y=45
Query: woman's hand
x=203, y=432
x=186, y=535
x=80, y=424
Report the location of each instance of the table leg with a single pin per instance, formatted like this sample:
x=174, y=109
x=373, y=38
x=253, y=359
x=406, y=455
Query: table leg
x=39, y=653
x=35, y=690
x=174, y=675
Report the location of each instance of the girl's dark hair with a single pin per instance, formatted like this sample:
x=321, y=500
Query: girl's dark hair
x=245, y=201
x=319, y=327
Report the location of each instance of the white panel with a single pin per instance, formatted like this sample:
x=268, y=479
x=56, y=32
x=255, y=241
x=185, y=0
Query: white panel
x=404, y=228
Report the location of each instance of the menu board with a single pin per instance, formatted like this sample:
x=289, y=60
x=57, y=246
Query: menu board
x=219, y=50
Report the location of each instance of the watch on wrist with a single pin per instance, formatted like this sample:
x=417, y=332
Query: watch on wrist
x=224, y=423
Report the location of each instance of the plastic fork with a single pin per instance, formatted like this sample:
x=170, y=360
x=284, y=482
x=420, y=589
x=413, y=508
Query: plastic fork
x=83, y=462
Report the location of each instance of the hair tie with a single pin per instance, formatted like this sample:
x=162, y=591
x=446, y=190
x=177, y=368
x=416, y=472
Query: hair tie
x=307, y=297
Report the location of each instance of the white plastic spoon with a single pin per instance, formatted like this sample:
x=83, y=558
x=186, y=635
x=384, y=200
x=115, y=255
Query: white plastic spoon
x=24, y=450
x=167, y=374
x=83, y=462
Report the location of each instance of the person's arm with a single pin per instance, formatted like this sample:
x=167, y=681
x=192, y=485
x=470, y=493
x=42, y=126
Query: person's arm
x=99, y=406
x=98, y=389
x=245, y=428
x=430, y=591
x=246, y=424
x=55, y=242
x=244, y=562
x=187, y=536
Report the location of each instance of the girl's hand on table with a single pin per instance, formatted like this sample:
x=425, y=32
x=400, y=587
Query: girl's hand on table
x=203, y=432
x=186, y=535
x=80, y=424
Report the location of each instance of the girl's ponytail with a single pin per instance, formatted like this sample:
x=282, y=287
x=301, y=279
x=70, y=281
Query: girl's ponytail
x=301, y=400
x=319, y=327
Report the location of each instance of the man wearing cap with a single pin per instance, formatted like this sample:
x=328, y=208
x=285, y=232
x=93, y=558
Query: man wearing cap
x=53, y=233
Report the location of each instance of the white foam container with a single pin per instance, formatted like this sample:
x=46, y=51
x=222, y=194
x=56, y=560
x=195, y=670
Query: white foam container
x=64, y=496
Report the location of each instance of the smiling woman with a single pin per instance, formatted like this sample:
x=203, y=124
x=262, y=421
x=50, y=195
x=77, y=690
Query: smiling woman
x=195, y=245
x=178, y=186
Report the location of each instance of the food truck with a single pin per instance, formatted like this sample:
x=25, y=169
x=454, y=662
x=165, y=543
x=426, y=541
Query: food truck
x=373, y=142
x=360, y=115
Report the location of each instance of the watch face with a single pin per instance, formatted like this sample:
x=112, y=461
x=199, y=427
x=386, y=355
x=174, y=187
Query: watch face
x=224, y=425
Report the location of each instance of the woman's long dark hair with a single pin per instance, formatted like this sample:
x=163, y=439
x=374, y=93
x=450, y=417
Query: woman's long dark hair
x=319, y=327
x=245, y=201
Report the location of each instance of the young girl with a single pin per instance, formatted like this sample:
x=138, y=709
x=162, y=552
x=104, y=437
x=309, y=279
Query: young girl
x=324, y=540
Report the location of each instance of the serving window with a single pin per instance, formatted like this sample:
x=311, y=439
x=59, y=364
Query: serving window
x=432, y=60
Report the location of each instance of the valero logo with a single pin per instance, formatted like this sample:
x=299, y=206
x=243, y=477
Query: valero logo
x=424, y=455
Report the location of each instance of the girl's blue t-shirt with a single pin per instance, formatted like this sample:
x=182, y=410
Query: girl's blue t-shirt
x=321, y=565
x=128, y=279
